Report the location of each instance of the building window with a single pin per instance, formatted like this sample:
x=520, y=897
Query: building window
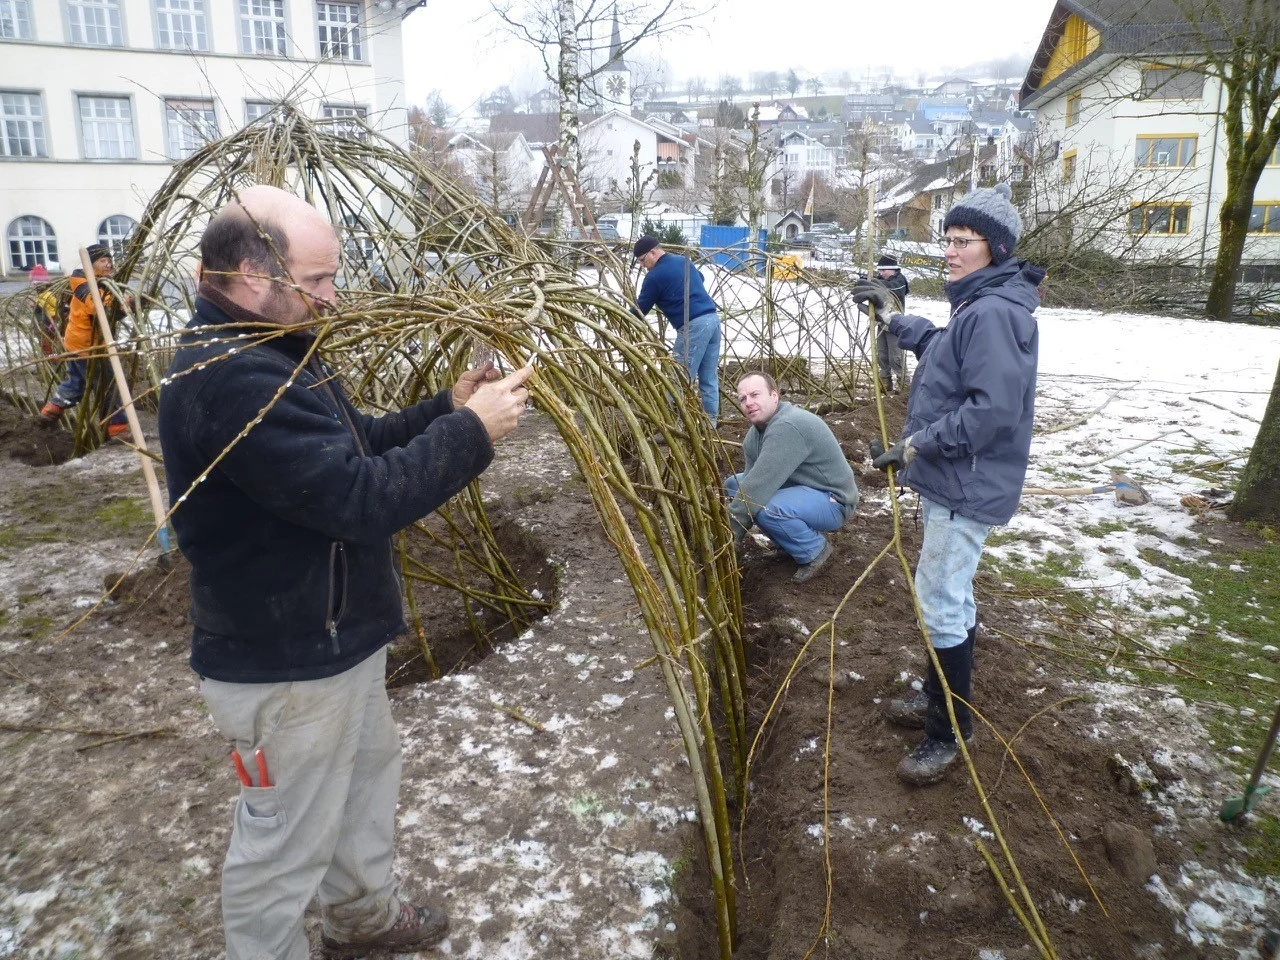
x=1165, y=151
x=180, y=25
x=1160, y=218
x=1073, y=109
x=1172, y=83
x=1274, y=161
x=31, y=241
x=1069, y=166
x=340, y=113
x=253, y=109
x=115, y=233
x=95, y=22
x=106, y=127
x=339, y=30
x=21, y=125
x=1265, y=217
x=262, y=27
x=15, y=20
x=189, y=125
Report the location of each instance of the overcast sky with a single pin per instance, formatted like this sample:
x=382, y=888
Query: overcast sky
x=454, y=45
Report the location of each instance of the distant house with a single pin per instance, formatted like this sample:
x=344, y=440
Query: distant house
x=777, y=112
x=789, y=225
x=799, y=155
x=915, y=208
x=497, y=163
x=955, y=87
x=919, y=138
x=951, y=109
x=859, y=107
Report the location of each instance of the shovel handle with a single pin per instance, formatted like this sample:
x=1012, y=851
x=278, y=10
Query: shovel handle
x=1264, y=756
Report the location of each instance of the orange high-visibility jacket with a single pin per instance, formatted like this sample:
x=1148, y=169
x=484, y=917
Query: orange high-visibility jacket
x=82, y=322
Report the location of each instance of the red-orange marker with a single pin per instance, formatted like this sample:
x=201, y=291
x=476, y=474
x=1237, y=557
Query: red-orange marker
x=241, y=772
x=261, y=757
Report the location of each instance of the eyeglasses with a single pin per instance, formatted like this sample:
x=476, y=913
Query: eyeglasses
x=960, y=242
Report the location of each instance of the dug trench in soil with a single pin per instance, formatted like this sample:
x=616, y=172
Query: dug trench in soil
x=33, y=441
x=907, y=879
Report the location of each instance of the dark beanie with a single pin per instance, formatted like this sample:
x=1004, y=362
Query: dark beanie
x=644, y=245
x=887, y=262
x=991, y=213
x=97, y=251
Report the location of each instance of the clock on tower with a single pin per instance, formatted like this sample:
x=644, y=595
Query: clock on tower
x=616, y=88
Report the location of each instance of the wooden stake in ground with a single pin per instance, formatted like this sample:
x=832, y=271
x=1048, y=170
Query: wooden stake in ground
x=126, y=399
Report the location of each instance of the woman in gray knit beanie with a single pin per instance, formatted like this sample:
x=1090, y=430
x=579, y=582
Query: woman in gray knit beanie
x=991, y=213
x=964, y=449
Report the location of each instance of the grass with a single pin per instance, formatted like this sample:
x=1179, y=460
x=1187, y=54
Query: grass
x=1263, y=842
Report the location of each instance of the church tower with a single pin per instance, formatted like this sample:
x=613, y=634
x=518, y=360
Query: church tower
x=615, y=79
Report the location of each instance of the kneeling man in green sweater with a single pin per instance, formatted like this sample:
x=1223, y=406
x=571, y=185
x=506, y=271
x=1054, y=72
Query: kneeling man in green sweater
x=797, y=484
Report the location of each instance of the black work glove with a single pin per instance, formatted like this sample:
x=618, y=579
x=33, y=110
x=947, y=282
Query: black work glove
x=878, y=295
x=898, y=456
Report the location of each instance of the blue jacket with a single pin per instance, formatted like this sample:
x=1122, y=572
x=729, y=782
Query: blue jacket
x=293, y=576
x=973, y=397
x=664, y=285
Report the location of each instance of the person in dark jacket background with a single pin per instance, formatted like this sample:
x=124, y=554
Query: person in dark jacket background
x=965, y=444
x=675, y=285
x=286, y=500
x=890, y=360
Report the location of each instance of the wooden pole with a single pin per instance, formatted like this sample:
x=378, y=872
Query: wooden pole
x=126, y=400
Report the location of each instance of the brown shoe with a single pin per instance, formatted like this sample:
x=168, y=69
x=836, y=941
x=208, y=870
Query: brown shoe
x=417, y=928
x=51, y=411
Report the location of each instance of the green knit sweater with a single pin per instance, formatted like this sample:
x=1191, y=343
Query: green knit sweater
x=795, y=448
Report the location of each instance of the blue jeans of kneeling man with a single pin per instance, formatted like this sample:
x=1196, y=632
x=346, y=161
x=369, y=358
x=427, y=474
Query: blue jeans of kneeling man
x=697, y=347
x=794, y=515
x=949, y=558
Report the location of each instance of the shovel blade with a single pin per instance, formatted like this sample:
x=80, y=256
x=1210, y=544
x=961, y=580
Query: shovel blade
x=1237, y=806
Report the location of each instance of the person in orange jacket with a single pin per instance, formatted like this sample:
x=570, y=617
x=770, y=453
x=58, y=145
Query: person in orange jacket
x=79, y=338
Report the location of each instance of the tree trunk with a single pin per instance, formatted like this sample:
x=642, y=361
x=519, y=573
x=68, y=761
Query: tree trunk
x=1233, y=224
x=567, y=154
x=1258, y=492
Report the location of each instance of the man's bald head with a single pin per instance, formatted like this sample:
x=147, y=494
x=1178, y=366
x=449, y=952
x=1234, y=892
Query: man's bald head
x=264, y=244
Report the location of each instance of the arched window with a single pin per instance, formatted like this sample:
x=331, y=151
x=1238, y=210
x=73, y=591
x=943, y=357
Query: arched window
x=115, y=232
x=31, y=241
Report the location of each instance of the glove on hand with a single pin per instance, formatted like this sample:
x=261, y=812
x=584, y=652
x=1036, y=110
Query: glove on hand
x=878, y=295
x=898, y=456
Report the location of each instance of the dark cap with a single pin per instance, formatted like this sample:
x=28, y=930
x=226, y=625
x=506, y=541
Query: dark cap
x=97, y=251
x=887, y=262
x=643, y=246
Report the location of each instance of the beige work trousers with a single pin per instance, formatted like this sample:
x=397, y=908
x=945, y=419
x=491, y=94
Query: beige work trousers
x=326, y=824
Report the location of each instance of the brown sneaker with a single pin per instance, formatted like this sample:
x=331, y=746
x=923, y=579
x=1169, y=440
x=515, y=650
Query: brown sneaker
x=417, y=928
x=51, y=411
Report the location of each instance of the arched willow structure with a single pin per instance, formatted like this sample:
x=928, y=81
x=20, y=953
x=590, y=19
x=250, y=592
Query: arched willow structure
x=433, y=282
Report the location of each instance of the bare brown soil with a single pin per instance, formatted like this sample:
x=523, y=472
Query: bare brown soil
x=124, y=835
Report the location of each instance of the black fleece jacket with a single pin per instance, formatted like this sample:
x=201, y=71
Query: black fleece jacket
x=288, y=534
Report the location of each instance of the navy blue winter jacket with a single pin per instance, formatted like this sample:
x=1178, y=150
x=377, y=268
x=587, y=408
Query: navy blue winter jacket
x=664, y=285
x=292, y=571
x=973, y=397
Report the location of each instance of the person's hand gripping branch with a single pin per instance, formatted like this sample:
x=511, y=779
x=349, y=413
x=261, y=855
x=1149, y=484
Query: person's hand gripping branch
x=469, y=381
x=876, y=294
x=898, y=456
x=499, y=403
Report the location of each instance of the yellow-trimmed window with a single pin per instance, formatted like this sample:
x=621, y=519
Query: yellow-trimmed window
x=1170, y=218
x=1165, y=150
x=1069, y=166
x=1265, y=217
x=1275, y=157
x=1073, y=108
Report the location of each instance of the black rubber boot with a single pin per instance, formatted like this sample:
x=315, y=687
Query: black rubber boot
x=938, y=752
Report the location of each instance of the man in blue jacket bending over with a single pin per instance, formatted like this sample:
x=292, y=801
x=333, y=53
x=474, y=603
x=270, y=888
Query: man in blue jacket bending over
x=675, y=285
x=965, y=444
x=287, y=498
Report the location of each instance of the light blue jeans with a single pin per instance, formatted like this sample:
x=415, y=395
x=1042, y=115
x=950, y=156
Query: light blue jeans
x=794, y=515
x=697, y=346
x=944, y=574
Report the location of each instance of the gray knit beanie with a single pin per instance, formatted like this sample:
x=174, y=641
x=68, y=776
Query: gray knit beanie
x=991, y=213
